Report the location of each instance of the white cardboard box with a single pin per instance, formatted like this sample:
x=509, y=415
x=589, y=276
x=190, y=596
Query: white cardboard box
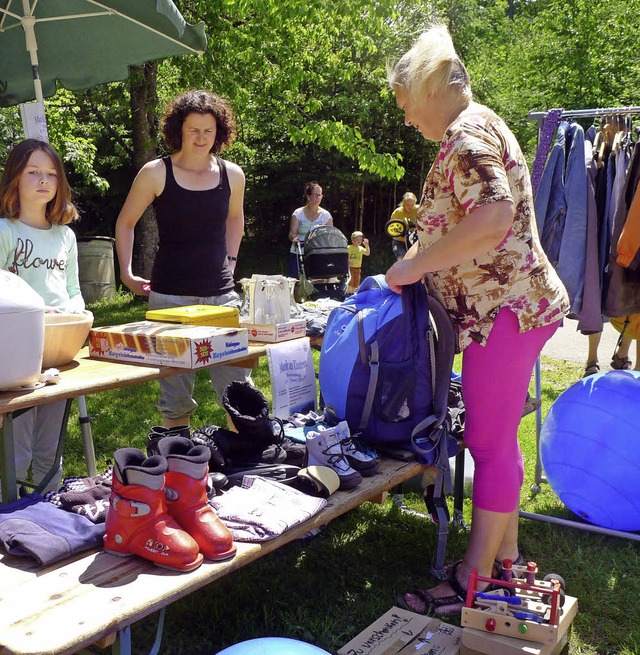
x=168, y=344
x=275, y=332
x=401, y=632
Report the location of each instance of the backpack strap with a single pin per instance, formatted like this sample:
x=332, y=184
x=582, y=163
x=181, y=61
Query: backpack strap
x=442, y=351
x=432, y=434
x=445, y=350
x=370, y=282
x=374, y=362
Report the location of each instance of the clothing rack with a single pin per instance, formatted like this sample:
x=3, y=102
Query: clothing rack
x=539, y=116
x=586, y=113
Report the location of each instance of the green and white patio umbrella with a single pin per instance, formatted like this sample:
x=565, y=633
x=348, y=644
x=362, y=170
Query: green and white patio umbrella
x=81, y=43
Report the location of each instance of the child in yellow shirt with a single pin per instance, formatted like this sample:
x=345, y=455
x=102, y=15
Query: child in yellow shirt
x=358, y=247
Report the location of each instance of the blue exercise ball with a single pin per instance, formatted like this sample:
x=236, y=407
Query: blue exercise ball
x=273, y=646
x=590, y=449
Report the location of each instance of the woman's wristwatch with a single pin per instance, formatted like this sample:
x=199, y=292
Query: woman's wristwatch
x=231, y=258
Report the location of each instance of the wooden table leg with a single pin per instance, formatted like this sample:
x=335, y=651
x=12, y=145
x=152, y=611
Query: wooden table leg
x=8, y=483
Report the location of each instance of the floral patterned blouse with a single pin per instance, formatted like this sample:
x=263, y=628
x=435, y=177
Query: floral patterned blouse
x=480, y=162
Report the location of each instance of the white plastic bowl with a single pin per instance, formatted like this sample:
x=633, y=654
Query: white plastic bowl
x=64, y=336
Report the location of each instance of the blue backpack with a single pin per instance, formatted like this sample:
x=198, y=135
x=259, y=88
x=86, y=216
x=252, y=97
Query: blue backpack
x=385, y=368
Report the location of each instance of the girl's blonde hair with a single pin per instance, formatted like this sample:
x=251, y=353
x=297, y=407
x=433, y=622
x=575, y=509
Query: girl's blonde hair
x=60, y=210
x=431, y=66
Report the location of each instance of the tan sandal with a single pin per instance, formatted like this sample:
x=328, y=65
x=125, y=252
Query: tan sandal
x=431, y=603
x=591, y=369
x=621, y=363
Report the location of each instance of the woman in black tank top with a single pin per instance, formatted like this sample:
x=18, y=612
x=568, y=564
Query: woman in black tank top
x=192, y=255
x=198, y=200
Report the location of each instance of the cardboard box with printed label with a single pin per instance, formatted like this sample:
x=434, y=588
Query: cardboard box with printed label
x=273, y=333
x=168, y=344
x=401, y=632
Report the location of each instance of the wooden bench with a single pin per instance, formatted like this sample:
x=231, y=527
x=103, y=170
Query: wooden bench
x=66, y=607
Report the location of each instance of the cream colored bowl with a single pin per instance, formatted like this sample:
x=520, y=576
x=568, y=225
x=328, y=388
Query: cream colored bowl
x=64, y=336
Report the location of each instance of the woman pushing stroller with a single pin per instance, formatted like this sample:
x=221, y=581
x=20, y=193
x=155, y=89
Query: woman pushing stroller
x=303, y=220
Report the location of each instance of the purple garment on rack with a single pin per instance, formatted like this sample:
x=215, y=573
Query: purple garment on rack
x=551, y=121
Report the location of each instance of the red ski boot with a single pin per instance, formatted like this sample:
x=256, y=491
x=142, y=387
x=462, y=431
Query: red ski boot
x=186, y=491
x=138, y=522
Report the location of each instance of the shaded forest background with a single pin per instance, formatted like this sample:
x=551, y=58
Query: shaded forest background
x=306, y=79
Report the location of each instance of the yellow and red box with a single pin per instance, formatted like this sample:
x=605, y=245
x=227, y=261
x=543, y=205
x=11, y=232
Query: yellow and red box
x=168, y=344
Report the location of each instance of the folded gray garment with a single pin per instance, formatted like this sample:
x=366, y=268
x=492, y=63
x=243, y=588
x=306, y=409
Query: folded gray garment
x=32, y=527
x=261, y=509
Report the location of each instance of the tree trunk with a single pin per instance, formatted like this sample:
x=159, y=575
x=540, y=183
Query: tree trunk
x=361, y=216
x=144, y=130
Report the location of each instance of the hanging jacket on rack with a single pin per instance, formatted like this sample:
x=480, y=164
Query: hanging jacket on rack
x=590, y=319
x=561, y=210
x=623, y=284
x=628, y=246
x=622, y=160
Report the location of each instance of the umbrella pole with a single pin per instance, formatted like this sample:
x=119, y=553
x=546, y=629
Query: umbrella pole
x=28, y=23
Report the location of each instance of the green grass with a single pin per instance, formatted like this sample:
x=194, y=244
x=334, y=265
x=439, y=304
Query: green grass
x=325, y=590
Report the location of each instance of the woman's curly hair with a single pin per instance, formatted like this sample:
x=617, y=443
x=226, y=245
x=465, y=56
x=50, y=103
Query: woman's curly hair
x=197, y=101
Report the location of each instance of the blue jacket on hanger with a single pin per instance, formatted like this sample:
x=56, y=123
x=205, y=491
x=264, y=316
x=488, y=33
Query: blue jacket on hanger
x=561, y=210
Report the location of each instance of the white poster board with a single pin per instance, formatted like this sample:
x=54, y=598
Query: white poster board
x=293, y=378
x=34, y=122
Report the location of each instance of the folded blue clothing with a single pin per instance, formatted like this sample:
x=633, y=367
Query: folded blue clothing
x=297, y=425
x=295, y=433
x=32, y=527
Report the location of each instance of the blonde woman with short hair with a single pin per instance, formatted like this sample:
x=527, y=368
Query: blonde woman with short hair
x=479, y=249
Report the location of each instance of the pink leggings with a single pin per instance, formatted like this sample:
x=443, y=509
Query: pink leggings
x=495, y=380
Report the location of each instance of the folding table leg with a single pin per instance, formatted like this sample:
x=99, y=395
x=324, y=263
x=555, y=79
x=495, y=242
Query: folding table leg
x=122, y=645
x=8, y=482
x=87, y=438
x=58, y=458
x=539, y=473
x=458, y=490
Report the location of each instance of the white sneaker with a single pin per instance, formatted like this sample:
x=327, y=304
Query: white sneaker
x=364, y=461
x=324, y=449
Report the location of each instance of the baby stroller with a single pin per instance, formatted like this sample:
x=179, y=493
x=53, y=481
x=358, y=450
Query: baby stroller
x=325, y=262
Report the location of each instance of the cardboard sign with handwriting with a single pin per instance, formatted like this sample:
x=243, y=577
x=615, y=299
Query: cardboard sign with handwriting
x=400, y=631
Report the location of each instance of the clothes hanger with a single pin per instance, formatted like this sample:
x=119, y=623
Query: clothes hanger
x=598, y=139
x=619, y=135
